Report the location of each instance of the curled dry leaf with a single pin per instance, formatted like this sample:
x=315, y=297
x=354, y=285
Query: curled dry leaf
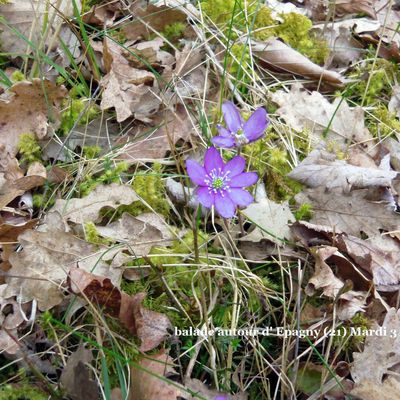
x=326, y=121
x=47, y=255
x=349, y=302
x=148, y=18
x=87, y=208
x=345, y=49
x=321, y=168
x=173, y=126
x=103, y=14
x=354, y=212
x=371, y=369
x=151, y=327
x=141, y=232
x=29, y=107
x=278, y=55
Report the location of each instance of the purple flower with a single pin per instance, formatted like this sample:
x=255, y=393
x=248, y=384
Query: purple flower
x=238, y=132
x=221, y=185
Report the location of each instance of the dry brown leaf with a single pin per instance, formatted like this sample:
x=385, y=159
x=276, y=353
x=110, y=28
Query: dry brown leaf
x=29, y=107
x=349, y=302
x=271, y=219
x=321, y=168
x=47, y=255
x=150, y=381
x=103, y=14
x=131, y=91
x=345, y=49
x=381, y=355
x=320, y=10
x=10, y=230
x=75, y=377
x=312, y=111
x=372, y=255
x=174, y=126
x=28, y=17
x=141, y=232
x=87, y=208
x=149, y=53
x=149, y=326
x=367, y=390
x=188, y=77
x=278, y=55
x=148, y=18
x=352, y=213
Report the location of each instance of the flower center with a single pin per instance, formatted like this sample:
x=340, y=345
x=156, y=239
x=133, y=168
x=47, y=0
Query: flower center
x=240, y=138
x=217, y=181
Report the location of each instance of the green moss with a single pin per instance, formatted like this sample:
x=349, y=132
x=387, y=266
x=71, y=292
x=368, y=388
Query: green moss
x=173, y=32
x=21, y=392
x=91, y=152
x=28, y=148
x=93, y=236
x=304, y=212
x=382, y=122
x=239, y=65
x=74, y=109
x=294, y=29
x=17, y=76
x=374, y=82
x=273, y=162
x=111, y=174
x=349, y=341
x=150, y=187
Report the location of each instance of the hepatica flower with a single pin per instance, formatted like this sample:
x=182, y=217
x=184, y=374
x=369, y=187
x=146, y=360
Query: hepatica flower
x=237, y=132
x=221, y=185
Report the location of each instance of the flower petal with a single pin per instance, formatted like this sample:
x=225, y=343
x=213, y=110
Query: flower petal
x=224, y=142
x=212, y=160
x=196, y=172
x=232, y=116
x=235, y=166
x=205, y=196
x=225, y=206
x=256, y=125
x=223, y=131
x=241, y=197
x=244, y=179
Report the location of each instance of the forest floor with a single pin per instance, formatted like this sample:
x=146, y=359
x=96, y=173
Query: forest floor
x=199, y=200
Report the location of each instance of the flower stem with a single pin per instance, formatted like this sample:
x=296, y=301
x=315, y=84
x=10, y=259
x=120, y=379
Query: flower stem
x=240, y=216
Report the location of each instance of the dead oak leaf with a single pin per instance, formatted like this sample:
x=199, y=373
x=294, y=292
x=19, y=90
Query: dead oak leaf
x=271, y=219
x=349, y=302
x=173, y=126
x=29, y=107
x=46, y=257
x=150, y=380
x=148, y=18
x=380, y=356
x=321, y=168
x=131, y=91
x=141, y=232
x=87, y=208
x=149, y=326
x=353, y=213
x=326, y=121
